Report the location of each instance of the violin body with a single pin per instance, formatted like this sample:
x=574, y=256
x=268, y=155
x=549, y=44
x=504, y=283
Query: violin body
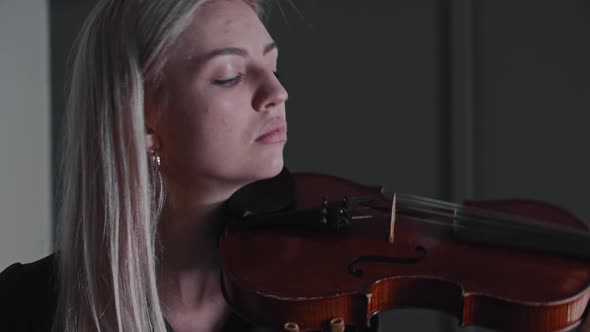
x=272, y=276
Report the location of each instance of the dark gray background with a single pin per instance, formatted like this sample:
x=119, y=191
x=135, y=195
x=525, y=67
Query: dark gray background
x=450, y=99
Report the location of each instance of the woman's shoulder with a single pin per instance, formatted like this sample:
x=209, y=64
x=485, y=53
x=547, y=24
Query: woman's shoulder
x=44, y=265
x=28, y=295
x=21, y=278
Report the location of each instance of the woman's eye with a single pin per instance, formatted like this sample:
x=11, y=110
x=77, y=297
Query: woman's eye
x=229, y=82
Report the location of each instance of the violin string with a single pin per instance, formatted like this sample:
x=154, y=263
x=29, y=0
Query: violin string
x=362, y=217
x=408, y=215
x=432, y=221
x=425, y=220
x=479, y=217
x=466, y=222
x=479, y=225
x=485, y=217
x=460, y=216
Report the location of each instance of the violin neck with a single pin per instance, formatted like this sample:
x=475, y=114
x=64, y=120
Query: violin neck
x=541, y=238
x=484, y=226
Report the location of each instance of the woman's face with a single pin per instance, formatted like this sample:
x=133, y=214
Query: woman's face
x=221, y=121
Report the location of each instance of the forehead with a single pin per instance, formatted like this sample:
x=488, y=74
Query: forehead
x=223, y=23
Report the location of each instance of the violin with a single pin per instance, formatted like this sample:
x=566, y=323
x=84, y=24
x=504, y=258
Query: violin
x=313, y=252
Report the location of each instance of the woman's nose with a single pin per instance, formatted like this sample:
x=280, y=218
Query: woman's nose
x=270, y=93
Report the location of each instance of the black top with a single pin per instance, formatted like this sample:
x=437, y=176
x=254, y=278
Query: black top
x=28, y=299
x=28, y=292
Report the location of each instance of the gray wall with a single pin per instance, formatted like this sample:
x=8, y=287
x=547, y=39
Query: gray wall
x=446, y=98
x=532, y=101
x=25, y=226
x=365, y=98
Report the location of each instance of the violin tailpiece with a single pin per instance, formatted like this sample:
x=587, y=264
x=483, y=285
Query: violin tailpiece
x=332, y=216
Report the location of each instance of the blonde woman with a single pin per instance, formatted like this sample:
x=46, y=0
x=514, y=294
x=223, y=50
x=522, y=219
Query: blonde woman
x=174, y=105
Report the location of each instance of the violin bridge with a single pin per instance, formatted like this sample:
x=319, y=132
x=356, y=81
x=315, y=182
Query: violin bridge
x=392, y=221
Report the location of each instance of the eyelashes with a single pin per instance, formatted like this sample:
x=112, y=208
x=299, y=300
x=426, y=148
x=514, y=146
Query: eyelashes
x=230, y=82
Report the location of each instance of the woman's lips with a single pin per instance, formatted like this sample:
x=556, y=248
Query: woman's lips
x=275, y=135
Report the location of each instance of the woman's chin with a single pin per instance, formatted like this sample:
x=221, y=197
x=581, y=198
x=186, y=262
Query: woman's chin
x=269, y=168
x=255, y=168
x=266, y=163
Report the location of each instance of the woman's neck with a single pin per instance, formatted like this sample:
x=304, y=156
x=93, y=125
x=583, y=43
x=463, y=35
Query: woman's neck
x=187, y=238
x=188, y=269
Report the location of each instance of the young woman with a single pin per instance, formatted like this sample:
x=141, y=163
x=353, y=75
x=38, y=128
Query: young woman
x=174, y=105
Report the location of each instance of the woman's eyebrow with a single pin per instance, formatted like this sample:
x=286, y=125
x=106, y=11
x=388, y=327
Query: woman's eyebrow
x=236, y=51
x=270, y=47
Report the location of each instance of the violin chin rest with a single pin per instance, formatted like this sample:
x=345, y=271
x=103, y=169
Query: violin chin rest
x=264, y=196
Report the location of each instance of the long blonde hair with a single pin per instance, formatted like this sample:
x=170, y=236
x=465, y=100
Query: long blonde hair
x=110, y=196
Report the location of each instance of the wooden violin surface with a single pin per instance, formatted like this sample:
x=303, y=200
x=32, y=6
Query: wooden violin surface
x=273, y=276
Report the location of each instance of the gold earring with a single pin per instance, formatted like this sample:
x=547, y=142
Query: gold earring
x=156, y=157
x=153, y=143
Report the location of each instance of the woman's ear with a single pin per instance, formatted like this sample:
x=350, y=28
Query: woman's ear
x=153, y=106
x=151, y=140
x=153, y=147
x=154, y=101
